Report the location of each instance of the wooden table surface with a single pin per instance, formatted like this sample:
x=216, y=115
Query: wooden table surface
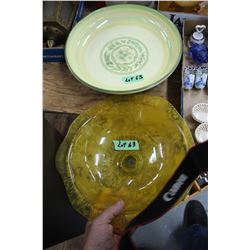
x=63, y=93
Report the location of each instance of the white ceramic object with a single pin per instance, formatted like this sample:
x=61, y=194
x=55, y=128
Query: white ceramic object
x=201, y=133
x=200, y=112
x=197, y=37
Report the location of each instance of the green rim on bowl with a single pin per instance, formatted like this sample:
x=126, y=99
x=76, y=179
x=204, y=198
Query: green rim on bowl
x=123, y=49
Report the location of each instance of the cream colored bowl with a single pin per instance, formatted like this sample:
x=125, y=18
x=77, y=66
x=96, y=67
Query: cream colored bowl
x=123, y=49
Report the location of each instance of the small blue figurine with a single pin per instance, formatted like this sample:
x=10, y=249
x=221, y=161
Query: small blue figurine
x=198, y=50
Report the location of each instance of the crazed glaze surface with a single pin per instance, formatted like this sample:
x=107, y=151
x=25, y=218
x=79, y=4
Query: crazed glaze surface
x=96, y=175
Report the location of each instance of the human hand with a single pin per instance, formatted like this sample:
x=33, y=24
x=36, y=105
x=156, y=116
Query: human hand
x=99, y=233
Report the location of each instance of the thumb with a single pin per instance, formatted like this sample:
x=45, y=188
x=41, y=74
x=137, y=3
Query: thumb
x=110, y=213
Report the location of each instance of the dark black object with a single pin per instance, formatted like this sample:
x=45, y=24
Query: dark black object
x=194, y=213
x=58, y=17
x=60, y=220
x=202, y=179
x=195, y=162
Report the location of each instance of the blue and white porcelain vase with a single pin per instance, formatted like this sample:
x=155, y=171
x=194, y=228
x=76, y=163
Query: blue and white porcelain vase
x=198, y=50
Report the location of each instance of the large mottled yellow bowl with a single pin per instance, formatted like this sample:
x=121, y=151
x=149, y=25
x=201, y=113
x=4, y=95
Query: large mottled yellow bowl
x=123, y=49
x=126, y=147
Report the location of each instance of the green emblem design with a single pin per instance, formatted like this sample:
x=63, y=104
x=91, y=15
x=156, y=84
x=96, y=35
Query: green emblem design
x=124, y=55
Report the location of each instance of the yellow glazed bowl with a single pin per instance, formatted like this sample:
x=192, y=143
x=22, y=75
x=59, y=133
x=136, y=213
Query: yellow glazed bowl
x=126, y=147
